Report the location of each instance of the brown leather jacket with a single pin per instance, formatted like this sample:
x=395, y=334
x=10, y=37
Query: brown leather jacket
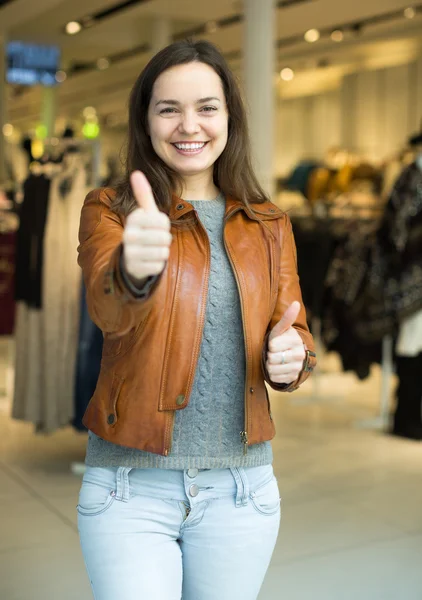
x=151, y=345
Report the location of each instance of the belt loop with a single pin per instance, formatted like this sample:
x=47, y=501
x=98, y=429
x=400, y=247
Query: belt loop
x=122, y=483
x=245, y=482
x=242, y=485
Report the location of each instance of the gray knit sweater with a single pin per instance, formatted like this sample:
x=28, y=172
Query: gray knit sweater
x=207, y=432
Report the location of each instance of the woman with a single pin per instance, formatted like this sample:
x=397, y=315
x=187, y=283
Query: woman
x=191, y=275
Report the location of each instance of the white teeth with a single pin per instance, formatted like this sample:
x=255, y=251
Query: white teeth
x=194, y=146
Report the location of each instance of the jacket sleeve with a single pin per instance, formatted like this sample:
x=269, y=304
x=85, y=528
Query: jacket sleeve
x=112, y=304
x=288, y=291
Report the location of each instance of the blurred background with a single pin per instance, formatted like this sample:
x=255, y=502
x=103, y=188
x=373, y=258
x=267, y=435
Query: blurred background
x=334, y=97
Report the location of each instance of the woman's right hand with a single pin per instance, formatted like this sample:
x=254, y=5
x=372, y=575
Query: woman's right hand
x=146, y=237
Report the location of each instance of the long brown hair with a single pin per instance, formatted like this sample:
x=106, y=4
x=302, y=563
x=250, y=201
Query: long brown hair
x=233, y=172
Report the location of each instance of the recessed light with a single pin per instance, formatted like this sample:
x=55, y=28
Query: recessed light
x=61, y=76
x=287, y=74
x=312, y=35
x=410, y=13
x=89, y=112
x=8, y=129
x=73, y=27
x=337, y=35
x=103, y=64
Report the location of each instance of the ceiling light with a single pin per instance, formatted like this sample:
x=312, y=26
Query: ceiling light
x=8, y=129
x=410, y=13
x=73, y=27
x=60, y=76
x=312, y=35
x=89, y=112
x=91, y=130
x=103, y=64
x=211, y=26
x=287, y=74
x=337, y=35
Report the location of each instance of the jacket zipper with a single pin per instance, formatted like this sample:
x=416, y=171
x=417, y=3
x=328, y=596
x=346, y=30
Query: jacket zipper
x=243, y=434
x=169, y=435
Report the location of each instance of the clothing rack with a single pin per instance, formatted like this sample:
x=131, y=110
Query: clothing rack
x=381, y=420
x=91, y=147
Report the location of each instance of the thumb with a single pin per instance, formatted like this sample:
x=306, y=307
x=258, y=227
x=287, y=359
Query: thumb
x=286, y=320
x=143, y=192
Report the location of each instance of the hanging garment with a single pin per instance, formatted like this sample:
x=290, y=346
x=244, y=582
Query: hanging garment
x=30, y=240
x=7, y=282
x=88, y=363
x=375, y=280
x=407, y=419
x=46, y=338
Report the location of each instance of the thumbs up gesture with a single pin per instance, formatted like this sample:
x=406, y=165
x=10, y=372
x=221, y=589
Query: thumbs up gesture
x=286, y=351
x=147, y=237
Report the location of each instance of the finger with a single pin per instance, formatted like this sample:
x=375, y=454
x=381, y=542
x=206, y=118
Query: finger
x=148, y=237
x=292, y=369
x=151, y=268
x=148, y=254
x=286, y=341
x=287, y=379
x=143, y=192
x=287, y=320
x=149, y=220
x=290, y=355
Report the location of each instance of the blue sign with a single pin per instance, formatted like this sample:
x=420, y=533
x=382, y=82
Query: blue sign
x=32, y=64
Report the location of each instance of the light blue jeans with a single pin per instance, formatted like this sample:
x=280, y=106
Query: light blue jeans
x=155, y=534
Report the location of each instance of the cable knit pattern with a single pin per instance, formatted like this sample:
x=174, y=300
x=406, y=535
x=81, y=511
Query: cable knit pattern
x=207, y=432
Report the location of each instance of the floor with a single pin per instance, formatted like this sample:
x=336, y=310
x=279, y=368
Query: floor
x=352, y=501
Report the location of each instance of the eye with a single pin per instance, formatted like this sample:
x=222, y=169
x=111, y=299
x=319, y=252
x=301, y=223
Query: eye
x=208, y=108
x=167, y=111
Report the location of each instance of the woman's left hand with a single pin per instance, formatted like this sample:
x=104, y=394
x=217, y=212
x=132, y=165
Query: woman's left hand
x=286, y=351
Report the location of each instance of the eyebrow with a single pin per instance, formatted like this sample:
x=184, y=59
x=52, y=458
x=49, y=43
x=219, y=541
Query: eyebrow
x=177, y=103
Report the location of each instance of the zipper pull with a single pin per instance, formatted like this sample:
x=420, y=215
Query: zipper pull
x=244, y=439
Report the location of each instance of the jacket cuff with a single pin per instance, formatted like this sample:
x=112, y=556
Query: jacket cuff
x=137, y=292
x=308, y=366
x=117, y=283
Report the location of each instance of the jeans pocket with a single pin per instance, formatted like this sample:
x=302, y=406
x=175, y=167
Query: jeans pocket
x=266, y=498
x=94, y=499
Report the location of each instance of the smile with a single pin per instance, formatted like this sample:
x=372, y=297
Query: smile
x=189, y=147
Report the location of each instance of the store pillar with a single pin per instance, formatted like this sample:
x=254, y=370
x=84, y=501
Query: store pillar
x=259, y=68
x=48, y=110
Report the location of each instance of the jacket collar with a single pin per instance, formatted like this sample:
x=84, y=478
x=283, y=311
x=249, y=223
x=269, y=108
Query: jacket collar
x=265, y=211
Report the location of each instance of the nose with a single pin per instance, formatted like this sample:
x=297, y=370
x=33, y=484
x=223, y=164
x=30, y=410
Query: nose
x=189, y=123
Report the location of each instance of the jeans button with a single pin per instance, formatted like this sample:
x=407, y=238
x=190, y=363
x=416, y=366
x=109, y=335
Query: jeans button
x=192, y=473
x=193, y=490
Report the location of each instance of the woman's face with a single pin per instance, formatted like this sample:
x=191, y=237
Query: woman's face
x=188, y=118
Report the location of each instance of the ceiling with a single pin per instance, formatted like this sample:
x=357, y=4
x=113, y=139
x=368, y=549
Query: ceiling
x=44, y=20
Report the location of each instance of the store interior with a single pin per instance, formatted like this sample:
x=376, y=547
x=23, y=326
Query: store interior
x=342, y=154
